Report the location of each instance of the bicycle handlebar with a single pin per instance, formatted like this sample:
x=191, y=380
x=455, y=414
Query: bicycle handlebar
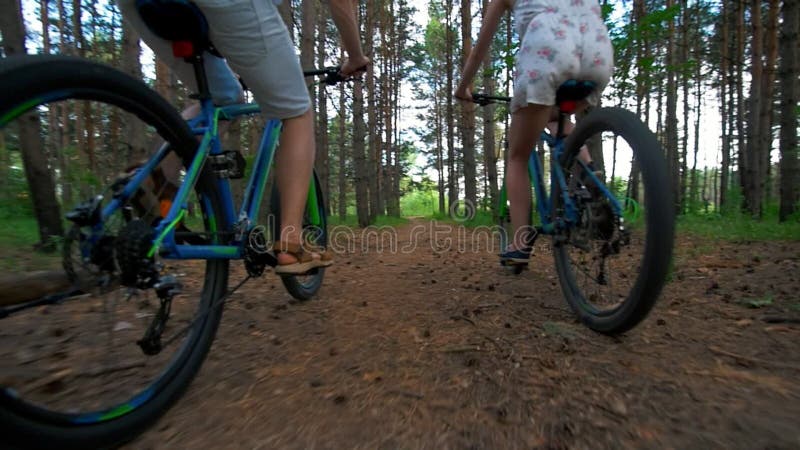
x=332, y=74
x=484, y=100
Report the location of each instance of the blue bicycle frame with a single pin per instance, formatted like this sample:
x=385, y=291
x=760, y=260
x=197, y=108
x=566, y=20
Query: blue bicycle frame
x=544, y=202
x=206, y=125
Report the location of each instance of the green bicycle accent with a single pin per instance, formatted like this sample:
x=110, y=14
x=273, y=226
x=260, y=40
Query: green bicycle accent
x=312, y=205
x=167, y=230
x=19, y=110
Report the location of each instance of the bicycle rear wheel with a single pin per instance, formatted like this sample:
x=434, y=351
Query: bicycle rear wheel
x=87, y=372
x=613, y=260
x=315, y=232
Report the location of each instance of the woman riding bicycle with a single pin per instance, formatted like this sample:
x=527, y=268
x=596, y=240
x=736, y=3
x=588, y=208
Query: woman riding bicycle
x=559, y=40
x=255, y=42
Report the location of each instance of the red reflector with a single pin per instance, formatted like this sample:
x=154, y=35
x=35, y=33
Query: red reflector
x=568, y=106
x=182, y=49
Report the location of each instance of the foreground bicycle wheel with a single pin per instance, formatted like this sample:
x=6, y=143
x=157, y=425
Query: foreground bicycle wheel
x=612, y=263
x=97, y=368
x=303, y=287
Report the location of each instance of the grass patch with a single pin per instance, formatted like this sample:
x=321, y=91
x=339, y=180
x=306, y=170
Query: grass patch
x=481, y=219
x=17, y=238
x=738, y=227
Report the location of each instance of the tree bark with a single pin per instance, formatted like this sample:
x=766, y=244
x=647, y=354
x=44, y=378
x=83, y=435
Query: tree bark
x=724, y=81
x=468, y=113
x=790, y=98
x=767, y=95
x=671, y=119
x=373, y=148
x=489, y=151
x=133, y=134
x=323, y=158
x=287, y=14
x=359, y=158
x=342, y=191
x=37, y=173
x=452, y=180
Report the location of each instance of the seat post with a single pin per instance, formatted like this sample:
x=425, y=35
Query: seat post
x=193, y=55
x=562, y=118
x=203, y=92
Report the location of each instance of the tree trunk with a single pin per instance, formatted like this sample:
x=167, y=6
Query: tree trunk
x=359, y=159
x=285, y=10
x=40, y=180
x=489, y=152
x=133, y=134
x=671, y=125
x=342, y=191
x=767, y=95
x=681, y=200
x=468, y=113
x=373, y=149
x=323, y=158
x=725, y=52
x=452, y=180
x=439, y=150
x=740, y=104
x=753, y=184
x=790, y=98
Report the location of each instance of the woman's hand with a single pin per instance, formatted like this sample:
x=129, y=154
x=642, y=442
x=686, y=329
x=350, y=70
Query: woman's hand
x=354, y=65
x=463, y=93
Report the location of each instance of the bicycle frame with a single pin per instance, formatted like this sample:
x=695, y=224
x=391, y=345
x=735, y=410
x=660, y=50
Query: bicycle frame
x=206, y=124
x=544, y=200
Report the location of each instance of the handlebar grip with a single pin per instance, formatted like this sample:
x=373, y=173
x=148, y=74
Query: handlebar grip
x=323, y=71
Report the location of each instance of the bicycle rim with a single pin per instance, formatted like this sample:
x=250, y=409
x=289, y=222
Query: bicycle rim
x=612, y=260
x=88, y=369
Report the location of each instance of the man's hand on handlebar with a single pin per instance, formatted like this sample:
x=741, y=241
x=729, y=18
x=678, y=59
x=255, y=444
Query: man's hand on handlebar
x=354, y=66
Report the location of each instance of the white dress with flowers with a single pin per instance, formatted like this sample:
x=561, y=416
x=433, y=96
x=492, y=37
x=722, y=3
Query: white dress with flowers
x=559, y=40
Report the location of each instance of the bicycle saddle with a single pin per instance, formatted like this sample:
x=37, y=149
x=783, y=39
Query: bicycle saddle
x=176, y=21
x=574, y=90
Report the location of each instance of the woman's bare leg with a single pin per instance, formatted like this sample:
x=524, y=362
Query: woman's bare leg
x=526, y=126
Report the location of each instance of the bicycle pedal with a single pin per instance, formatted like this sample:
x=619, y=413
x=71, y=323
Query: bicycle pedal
x=228, y=164
x=168, y=287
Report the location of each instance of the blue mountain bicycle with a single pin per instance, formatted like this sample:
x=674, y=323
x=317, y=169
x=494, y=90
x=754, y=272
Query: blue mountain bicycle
x=147, y=257
x=612, y=257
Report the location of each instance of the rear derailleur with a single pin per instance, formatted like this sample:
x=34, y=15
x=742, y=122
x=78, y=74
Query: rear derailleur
x=166, y=288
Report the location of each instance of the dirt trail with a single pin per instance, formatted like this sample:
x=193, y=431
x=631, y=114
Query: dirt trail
x=443, y=349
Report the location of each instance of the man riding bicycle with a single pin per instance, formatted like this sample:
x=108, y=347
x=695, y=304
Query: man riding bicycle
x=255, y=42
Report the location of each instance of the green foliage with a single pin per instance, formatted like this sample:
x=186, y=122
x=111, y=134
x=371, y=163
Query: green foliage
x=18, y=235
x=740, y=227
x=421, y=200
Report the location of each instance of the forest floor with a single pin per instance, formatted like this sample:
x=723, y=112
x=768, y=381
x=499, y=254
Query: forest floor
x=443, y=348
x=438, y=348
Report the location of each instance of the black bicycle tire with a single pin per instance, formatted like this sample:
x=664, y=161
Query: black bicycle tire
x=660, y=226
x=33, y=77
x=293, y=286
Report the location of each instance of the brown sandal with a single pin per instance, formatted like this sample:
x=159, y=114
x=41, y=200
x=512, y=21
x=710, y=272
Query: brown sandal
x=308, y=258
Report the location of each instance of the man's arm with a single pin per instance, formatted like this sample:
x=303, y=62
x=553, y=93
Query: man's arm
x=344, y=16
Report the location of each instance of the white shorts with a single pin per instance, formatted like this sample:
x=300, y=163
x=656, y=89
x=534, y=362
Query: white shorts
x=557, y=47
x=256, y=44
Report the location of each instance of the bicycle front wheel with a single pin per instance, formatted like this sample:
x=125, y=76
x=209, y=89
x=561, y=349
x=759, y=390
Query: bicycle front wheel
x=95, y=369
x=613, y=257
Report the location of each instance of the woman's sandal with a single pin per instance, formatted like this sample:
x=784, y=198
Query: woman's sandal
x=308, y=258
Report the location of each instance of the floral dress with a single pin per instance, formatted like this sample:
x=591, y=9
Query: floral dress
x=559, y=40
